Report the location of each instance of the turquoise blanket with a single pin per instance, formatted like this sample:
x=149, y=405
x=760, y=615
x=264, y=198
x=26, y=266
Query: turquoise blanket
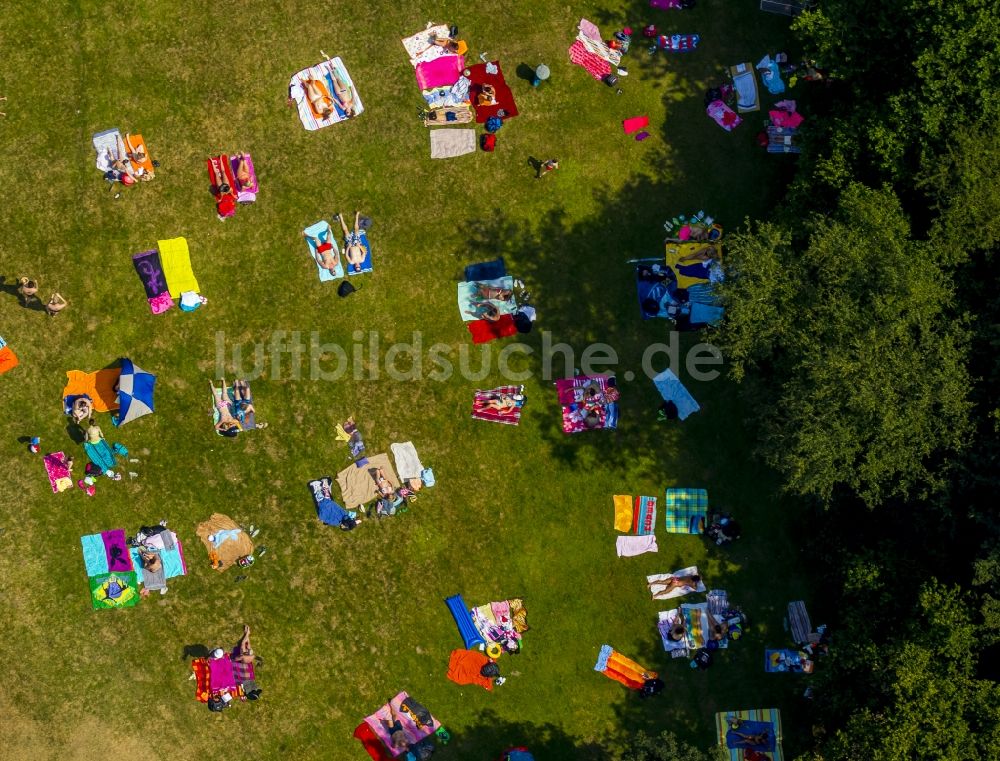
x=101, y=455
x=467, y=292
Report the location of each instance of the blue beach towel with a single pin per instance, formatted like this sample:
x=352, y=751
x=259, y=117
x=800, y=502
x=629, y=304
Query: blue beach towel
x=101, y=455
x=366, y=265
x=752, y=728
x=323, y=231
x=95, y=557
x=486, y=270
x=672, y=390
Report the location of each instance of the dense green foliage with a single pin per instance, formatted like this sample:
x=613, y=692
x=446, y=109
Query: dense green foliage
x=863, y=321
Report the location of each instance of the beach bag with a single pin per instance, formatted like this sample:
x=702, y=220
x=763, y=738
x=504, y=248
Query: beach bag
x=427, y=476
x=651, y=687
x=216, y=704
x=489, y=670
x=493, y=124
x=488, y=143
x=418, y=711
x=345, y=289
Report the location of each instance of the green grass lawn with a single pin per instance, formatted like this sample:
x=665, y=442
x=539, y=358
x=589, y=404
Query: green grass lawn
x=343, y=621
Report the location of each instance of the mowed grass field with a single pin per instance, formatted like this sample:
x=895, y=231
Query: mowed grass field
x=344, y=621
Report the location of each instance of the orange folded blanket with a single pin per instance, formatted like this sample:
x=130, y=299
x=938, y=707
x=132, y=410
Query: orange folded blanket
x=135, y=144
x=464, y=668
x=99, y=386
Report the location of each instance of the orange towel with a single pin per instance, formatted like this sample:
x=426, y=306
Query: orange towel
x=324, y=90
x=99, y=386
x=8, y=360
x=623, y=512
x=133, y=143
x=464, y=666
x=627, y=671
x=201, y=689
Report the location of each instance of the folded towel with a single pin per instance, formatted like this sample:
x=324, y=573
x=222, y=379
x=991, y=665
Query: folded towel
x=634, y=124
x=623, y=512
x=629, y=546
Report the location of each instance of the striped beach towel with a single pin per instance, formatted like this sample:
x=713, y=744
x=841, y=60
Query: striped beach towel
x=725, y=719
x=482, y=398
x=644, y=516
x=686, y=511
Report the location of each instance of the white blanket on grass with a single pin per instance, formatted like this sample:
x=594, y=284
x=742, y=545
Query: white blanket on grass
x=407, y=461
x=658, y=584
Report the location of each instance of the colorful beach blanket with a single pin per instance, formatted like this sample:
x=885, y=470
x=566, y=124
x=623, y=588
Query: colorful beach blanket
x=324, y=74
x=60, y=478
x=414, y=728
x=481, y=409
x=686, y=511
x=623, y=670
x=644, y=516
x=114, y=590
x=623, y=512
x=723, y=115
x=420, y=46
x=467, y=294
x=99, y=386
x=771, y=717
x=249, y=193
x=503, y=622
x=578, y=403
x=150, y=271
x=8, y=360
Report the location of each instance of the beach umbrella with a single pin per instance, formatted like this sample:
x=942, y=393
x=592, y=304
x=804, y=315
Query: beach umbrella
x=135, y=393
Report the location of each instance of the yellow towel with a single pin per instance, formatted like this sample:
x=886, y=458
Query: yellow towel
x=176, y=263
x=623, y=512
x=676, y=251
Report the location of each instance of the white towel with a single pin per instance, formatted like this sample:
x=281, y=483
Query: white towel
x=628, y=546
x=449, y=143
x=109, y=140
x=407, y=462
x=658, y=583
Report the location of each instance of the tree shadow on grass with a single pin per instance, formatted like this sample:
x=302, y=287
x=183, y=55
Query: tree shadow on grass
x=491, y=735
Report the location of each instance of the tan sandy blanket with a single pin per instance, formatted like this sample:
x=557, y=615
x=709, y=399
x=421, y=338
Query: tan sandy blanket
x=358, y=484
x=231, y=549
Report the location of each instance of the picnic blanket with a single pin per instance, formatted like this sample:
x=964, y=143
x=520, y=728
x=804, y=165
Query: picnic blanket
x=771, y=717
x=322, y=73
x=658, y=584
x=484, y=331
x=154, y=281
x=672, y=390
x=479, y=76
x=324, y=233
x=624, y=670
x=467, y=294
x=8, y=359
x=60, y=478
x=171, y=558
x=442, y=71
x=571, y=393
x=510, y=417
x=594, y=65
x=420, y=47
x=99, y=386
x=249, y=193
x=630, y=546
x=782, y=140
x=449, y=143
x=745, y=84
x=786, y=661
x=666, y=621
x=686, y=511
x=110, y=140
x=357, y=482
x=230, y=541
x=644, y=516
x=366, y=264
x=623, y=512
x=414, y=729
x=503, y=622
x=464, y=667
x=723, y=115
x=407, y=460
x=678, y=43
x=176, y=261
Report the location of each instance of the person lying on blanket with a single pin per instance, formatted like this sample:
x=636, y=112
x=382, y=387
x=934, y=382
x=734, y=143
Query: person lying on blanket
x=343, y=94
x=382, y=483
x=504, y=403
x=677, y=633
x=690, y=583
x=326, y=255
x=487, y=291
x=139, y=155
x=243, y=173
x=354, y=247
x=760, y=739
x=717, y=629
x=395, y=729
x=483, y=310
x=226, y=204
x=228, y=425
x=456, y=47
x=82, y=410
x=319, y=101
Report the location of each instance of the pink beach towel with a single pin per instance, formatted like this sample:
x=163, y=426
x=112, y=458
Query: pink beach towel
x=59, y=476
x=785, y=119
x=414, y=733
x=629, y=546
x=441, y=72
x=634, y=124
x=589, y=29
x=220, y=673
x=596, y=66
x=723, y=115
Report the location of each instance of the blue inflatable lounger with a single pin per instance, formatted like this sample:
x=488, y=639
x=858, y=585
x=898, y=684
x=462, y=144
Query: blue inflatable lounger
x=463, y=619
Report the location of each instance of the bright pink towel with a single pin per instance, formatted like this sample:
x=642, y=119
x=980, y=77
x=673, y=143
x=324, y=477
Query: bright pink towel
x=634, y=124
x=593, y=63
x=785, y=119
x=441, y=72
x=220, y=673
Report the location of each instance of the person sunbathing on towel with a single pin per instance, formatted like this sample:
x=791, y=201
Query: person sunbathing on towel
x=677, y=633
x=382, y=483
x=759, y=739
x=483, y=310
x=228, y=425
x=354, y=247
x=243, y=653
x=343, y=94
x=487, y=291
x=675, y=582
x=718, y=629
x=325, y=254
x=503, y=404
x=219, y=180
x=395, y=729
x=320, y=102
x=139, y=155
x=243, y=178
x=703, y=254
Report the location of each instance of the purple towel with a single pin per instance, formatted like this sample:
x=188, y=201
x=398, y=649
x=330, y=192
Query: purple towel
x=249, y=194
x=147, y=264
x=116, y=550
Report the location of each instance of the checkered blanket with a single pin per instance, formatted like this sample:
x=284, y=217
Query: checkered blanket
x=686, y=511
x=242, y=672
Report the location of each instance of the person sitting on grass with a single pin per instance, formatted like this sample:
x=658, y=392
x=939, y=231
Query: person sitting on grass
x=82, y=410
x=354, y=245
x=243, y=653
x=324, y=252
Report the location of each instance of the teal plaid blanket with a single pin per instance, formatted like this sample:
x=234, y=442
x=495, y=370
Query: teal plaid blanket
x=686, y=510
